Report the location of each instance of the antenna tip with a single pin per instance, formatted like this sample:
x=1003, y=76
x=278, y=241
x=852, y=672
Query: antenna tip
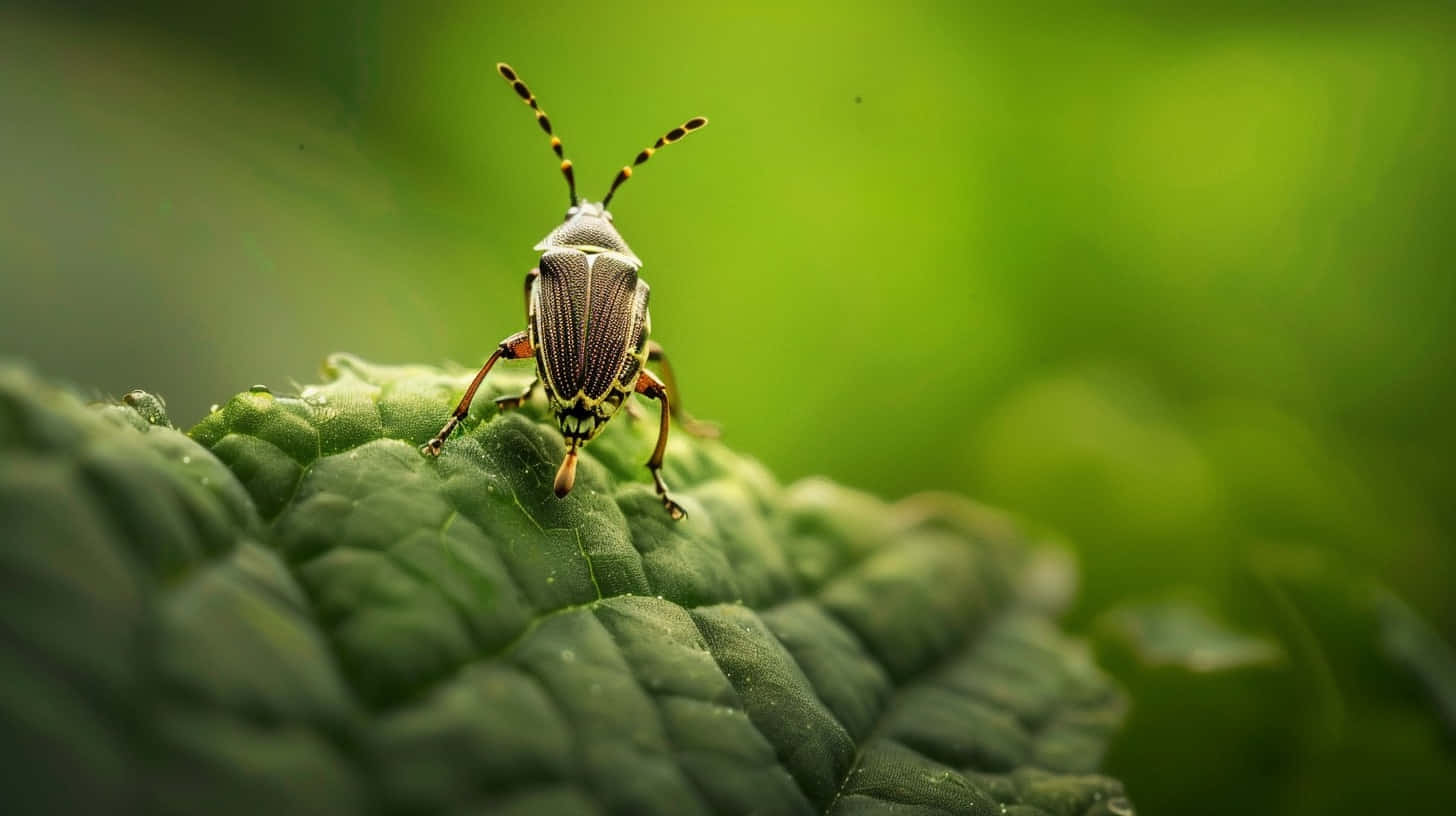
x=695, y=123
x=565, y=165
x=506, y=71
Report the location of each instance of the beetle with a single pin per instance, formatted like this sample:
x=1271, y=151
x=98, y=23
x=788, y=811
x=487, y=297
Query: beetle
x=588, y=325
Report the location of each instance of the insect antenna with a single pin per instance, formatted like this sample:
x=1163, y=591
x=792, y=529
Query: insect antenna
x=526, y=96
x=671, y=136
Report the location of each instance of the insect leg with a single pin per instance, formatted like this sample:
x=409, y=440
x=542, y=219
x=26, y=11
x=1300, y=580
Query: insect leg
x=514, y=347
x=510, y=402
x=649, y=385
x=696, y=427
x=530, y=279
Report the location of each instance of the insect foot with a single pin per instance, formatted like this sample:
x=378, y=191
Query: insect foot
x=674, y=509
x=702, y=428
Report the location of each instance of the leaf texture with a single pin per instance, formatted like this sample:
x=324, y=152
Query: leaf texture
x=293, y=611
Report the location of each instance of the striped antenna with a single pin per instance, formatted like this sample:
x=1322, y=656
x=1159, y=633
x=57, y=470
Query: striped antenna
x=672, y=136
x=525, y=94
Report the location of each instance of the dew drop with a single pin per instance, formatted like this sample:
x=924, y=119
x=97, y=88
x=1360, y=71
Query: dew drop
x=214, y=409
x=187, y=460
x=259, y=389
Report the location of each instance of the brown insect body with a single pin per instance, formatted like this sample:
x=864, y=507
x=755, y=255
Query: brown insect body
x=587, y=324
x=588, y=321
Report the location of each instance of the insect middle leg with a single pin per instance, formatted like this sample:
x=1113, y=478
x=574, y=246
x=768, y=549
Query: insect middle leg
x=649, y=385
x=511, y=402
x=696, y=427
x=514, y=347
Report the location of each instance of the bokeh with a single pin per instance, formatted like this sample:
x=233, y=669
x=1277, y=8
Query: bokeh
x=1173, y=283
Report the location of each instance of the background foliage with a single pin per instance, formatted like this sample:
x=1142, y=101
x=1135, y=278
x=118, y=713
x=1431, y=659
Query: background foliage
x=1175, y=282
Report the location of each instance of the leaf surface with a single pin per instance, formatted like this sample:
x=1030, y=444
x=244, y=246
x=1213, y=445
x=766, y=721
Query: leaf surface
x=293, y=611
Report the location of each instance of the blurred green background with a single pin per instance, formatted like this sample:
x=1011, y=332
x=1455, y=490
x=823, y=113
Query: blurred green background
x=1175, y=283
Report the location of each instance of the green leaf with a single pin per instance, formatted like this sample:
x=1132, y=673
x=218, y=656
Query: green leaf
x=294, y=611
x=1410, y=641
x=1180, y=633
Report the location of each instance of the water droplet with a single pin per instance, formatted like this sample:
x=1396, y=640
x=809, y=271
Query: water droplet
x=259, y=389
x=187, y=460
x=214, y=409
x=568, y=656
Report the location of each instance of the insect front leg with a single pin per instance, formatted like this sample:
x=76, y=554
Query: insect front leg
x=696, y=427
x=649, y=385
x=514, y=347
x=530, y=280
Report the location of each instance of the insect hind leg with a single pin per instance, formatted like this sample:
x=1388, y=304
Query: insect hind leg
x=649, y=385
x=694, y=426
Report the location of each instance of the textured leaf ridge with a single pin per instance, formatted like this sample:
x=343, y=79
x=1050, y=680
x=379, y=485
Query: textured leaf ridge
x=291, y=610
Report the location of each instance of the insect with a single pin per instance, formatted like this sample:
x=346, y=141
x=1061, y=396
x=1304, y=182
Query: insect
x=587, y=324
